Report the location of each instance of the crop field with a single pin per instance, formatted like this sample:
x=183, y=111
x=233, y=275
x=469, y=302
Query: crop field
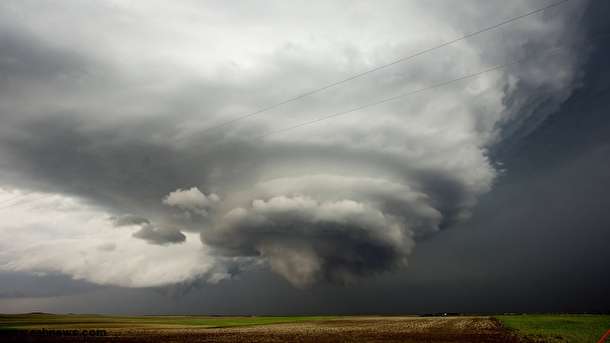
x=98, y=328
x=37, y=321
x=558, y=327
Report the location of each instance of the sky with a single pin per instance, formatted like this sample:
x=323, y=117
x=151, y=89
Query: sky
x=171, y=157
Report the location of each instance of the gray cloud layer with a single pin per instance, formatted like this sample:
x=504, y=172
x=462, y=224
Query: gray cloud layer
x=113, y=119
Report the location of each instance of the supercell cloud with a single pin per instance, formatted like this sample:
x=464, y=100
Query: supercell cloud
x=110, y=114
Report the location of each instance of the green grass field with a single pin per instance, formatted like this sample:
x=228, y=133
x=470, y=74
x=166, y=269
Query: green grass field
x=559, y=327
x=53, y=321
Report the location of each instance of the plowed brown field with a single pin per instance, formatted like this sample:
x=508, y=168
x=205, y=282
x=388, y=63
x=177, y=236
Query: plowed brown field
x=347, y=329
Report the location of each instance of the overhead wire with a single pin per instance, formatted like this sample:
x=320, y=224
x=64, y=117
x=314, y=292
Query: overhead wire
x=383, y=66
x=366, y=72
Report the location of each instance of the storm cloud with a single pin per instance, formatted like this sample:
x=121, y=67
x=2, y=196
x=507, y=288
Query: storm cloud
x=122, y=115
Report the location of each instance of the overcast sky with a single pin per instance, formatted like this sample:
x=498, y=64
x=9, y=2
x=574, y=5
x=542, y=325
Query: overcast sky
x=125, y=186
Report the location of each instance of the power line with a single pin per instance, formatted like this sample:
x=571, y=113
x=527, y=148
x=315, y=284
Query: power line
x=382, y=101
x=378, y=102
x=403, y=95
x=367, y=105
x=383, y=66
x=337, y=114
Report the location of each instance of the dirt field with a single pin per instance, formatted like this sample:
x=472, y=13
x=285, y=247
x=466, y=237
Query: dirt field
x=346, y=329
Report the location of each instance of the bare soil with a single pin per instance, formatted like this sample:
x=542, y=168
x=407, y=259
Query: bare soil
x=348, y=329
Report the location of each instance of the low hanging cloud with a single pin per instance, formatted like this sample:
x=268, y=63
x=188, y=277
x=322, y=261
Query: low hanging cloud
x=158, y=235
x=128, y=220
x=307, y=241
x=122, y=122
x=148, y=231
x=326, y=227
x=192, y=200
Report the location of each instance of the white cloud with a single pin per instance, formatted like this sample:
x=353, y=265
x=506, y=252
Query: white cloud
x=192, y=200
x=58, y=234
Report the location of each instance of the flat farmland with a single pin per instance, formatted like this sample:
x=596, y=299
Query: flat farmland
x=79, y=328
x=573, y=328
x=549, y=328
